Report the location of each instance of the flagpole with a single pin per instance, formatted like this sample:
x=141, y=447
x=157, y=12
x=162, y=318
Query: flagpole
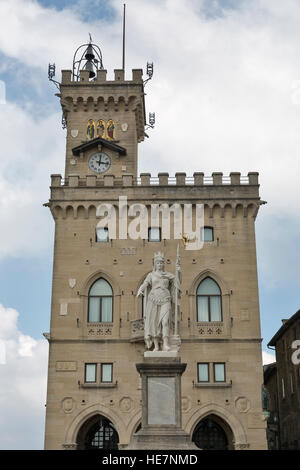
x=123, y=60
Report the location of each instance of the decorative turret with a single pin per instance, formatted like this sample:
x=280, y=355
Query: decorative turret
x=101, y=110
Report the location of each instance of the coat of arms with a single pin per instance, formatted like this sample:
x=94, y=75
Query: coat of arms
x=74, y=133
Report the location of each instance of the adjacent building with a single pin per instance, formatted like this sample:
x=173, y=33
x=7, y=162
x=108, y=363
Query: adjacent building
x=282, y=381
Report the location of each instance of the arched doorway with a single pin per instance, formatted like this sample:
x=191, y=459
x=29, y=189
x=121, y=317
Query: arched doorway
x=97, y=433
x=212, y=433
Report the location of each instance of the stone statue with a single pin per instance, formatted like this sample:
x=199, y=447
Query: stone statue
x=161, y=291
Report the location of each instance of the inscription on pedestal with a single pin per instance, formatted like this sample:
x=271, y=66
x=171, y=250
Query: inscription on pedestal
x=161, y=401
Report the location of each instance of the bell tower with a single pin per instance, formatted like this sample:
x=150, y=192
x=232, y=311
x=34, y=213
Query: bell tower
x=105, y=119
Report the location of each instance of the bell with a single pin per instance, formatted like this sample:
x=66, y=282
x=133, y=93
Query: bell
x=89, y=66
x=90, y=53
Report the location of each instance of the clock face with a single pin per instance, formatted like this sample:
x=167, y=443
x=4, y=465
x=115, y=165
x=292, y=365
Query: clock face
x=99, y=162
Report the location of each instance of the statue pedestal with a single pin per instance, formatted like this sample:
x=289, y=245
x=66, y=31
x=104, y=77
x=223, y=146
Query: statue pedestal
x=161, y=404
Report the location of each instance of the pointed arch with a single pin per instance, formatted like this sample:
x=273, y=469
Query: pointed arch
x=208, y=273
x=89, y=412
x=239, y=433
x=209, y=301
x=134, y=422
x=98, y=275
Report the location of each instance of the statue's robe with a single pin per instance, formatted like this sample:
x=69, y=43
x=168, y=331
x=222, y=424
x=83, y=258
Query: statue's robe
x=161, y=292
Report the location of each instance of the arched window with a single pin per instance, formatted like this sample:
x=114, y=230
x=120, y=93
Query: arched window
x=209, y=301
x=100, y=302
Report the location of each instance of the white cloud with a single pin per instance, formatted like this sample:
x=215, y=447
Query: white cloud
x=223, y=91
x=23, y=385
x=31, y=150
x=268, y=358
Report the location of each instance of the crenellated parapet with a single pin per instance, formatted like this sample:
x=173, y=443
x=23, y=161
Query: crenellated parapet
x=222, y=196
x=163, y=179
x=101, y=78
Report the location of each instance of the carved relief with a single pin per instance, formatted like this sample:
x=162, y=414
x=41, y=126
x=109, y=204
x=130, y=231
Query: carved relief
x=126, y=404
x=70, y=446
x=128, y=251
x=100, y=330
x=68, y=404
x=72, y=283
x=137, y=328
x=186, y=404
x=242, y=446
x=212, y=329
x=74, y=133
x=242, y=404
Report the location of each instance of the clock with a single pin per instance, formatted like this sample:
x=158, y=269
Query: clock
x=99, y=162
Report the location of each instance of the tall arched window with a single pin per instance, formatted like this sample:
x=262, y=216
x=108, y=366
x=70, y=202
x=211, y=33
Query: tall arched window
x=209, y=301
x=100, y=302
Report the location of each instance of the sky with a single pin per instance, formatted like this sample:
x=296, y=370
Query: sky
x=226, y=93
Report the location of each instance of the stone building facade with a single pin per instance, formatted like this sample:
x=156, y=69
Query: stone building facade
x=96, y=331
x=287, y=346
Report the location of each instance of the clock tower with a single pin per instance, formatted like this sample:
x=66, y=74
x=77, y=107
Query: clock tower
x=96, y=338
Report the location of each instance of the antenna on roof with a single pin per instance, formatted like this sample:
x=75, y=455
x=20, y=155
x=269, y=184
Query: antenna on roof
x=123, y=58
